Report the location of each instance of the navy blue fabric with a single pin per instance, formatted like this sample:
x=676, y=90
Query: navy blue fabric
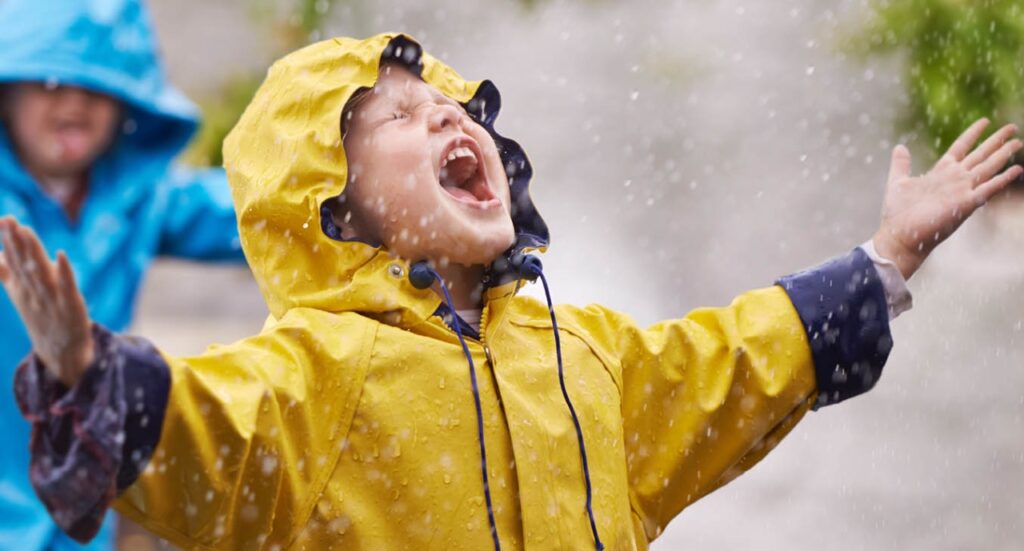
x=147, y=384
x=452, y=319
x=843, y=307
x=90, y=442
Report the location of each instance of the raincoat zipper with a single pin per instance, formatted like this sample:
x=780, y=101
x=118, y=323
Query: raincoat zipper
x=483, y=335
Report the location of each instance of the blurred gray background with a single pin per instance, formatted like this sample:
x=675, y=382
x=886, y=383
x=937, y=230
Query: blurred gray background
x=685, y=152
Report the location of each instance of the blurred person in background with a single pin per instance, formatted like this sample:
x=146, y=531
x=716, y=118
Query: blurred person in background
x=90, y=129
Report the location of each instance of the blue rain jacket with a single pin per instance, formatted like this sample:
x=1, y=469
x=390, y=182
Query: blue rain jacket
x=138, y=205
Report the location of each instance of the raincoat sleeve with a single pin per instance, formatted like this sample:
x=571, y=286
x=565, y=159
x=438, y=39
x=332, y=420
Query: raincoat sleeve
x=251, y=432
x=705, y=397
x=226, y=450
x=199, y=218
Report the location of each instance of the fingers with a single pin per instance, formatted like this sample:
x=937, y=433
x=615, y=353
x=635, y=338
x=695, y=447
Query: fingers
x=994, y=163
x=986, y=190
x=5, y=271
x=963, y=145
x=26, y=264
x=990, y=146
x=32, y=265
x=12, y=253
x=899, y=167
x=38, y=258
x=68, y=289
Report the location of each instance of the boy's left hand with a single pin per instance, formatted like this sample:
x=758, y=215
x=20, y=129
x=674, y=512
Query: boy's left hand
x=920, y=212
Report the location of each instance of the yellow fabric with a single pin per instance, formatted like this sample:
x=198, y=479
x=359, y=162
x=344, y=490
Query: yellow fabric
x=349, y=422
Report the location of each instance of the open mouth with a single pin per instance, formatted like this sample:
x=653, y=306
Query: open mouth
x=462, y=175
x=72, y=138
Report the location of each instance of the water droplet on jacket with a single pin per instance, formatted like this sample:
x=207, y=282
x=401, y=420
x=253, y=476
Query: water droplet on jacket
x=269, y=465
x=249, y=512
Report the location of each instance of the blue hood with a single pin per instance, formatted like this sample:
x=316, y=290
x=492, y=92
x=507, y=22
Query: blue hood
x=104, y=45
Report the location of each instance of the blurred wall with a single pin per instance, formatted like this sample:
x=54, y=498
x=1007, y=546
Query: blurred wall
x=685, y=152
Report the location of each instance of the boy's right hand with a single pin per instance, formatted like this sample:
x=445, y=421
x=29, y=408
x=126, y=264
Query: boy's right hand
x=48, y=300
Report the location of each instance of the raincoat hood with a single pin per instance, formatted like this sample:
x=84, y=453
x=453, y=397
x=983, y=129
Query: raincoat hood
x=106, y=46
x=285, y=161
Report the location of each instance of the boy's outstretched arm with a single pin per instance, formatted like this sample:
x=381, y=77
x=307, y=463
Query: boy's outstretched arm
x=229, y=449
x=705, y=397
x=95, y=423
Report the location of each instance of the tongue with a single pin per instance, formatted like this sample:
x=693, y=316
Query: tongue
x=71, y=144
x=460, y=193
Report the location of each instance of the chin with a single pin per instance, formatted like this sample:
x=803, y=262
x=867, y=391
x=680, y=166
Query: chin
x=477, y=251
x=67, y=168
x=491, y=249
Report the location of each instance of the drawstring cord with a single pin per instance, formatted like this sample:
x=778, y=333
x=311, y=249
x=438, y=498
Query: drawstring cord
x=529, y=265
x=422, y=276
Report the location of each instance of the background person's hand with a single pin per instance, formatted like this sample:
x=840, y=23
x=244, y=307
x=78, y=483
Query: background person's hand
x=48, y=300
x=920, y=212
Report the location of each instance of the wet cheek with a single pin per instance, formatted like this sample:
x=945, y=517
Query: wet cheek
x=29, y=125
x=36, y=142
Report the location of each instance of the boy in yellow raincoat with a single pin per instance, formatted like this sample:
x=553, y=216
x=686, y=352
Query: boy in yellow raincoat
x=402, y=395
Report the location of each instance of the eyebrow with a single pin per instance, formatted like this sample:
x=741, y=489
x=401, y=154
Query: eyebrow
x=369, y=98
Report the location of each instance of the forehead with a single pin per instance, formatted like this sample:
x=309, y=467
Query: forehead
x=396, y=84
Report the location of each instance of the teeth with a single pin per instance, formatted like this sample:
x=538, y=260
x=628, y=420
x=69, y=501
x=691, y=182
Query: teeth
x=458, y=153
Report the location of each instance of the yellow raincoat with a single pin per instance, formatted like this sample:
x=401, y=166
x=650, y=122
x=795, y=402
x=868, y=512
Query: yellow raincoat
x=349, y=422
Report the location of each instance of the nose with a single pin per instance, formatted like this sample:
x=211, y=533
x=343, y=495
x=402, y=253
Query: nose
x=445, y=116
x=74, y=97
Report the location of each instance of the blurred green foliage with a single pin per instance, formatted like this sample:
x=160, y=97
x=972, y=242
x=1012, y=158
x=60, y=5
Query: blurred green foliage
x=291, y=28
x=965, y=60
x=220, y=113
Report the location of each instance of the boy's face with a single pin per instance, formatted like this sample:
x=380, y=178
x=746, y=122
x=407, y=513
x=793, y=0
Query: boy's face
x=61, y=131
x=424, y=179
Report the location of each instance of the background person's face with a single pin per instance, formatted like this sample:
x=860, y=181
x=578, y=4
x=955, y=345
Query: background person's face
x=59, y=131
x=424, y=179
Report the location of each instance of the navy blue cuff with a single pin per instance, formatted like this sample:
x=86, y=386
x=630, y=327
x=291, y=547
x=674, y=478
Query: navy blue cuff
x=147, y=383
x=843, y=308
x=91, y=441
